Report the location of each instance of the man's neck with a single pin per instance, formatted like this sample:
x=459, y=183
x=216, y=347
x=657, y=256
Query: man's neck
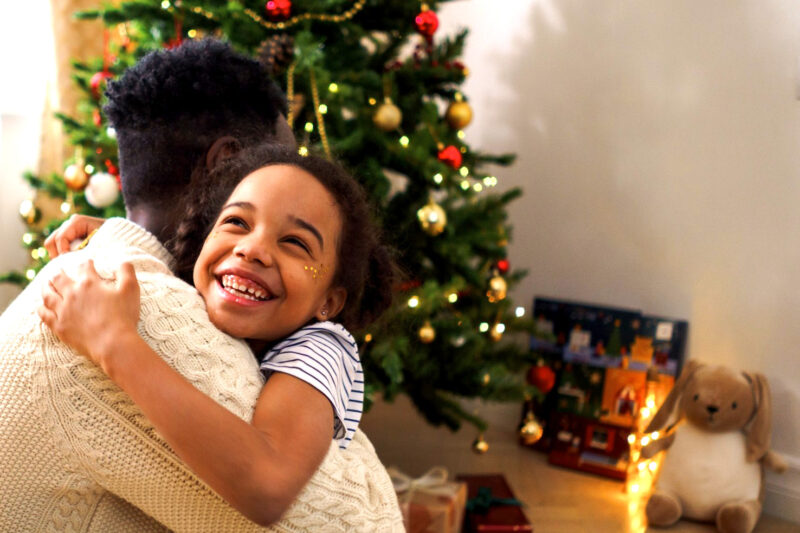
x=156, y=222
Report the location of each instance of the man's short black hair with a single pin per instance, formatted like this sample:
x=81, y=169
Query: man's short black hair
x=173, y=104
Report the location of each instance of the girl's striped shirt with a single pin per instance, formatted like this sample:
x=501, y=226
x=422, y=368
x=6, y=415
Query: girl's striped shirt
x=325, y=356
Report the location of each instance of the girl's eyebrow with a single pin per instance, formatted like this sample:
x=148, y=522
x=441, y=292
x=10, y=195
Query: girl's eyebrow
x=303, y=224
x=243, y=205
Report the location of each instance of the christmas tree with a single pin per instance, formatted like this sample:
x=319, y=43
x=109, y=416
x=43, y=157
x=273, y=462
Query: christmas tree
x=371, y=83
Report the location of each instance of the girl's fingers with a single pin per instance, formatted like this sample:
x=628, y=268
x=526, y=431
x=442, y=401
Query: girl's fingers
x=50, y=297
x=50, y=245
x=60, y=282
x=126, y=276
x=76, y=227
x=48, y=317
x=88, y=269
x=61, y=243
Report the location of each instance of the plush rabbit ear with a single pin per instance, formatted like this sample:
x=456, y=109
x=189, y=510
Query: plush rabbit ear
x=668, y=414
x=757, y=431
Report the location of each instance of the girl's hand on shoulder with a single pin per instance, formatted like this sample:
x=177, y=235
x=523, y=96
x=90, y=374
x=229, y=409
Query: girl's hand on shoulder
x=92, y=314
x=74, y=228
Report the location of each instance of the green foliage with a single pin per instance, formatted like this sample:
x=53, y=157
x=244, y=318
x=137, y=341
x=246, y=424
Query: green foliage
x=357, y=63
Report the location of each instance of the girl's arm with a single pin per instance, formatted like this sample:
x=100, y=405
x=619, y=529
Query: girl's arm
x=260, y=468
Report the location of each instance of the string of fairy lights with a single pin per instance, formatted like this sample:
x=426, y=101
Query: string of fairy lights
x=641, y=473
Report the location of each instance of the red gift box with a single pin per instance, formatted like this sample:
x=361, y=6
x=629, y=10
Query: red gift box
x=499, y=517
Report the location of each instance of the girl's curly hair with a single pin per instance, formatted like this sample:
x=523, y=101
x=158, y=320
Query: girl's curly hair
x=365, y=267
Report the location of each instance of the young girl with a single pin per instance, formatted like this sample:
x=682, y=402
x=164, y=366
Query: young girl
x=292, y=248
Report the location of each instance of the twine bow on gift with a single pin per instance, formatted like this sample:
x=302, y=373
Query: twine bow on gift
x=484, y=500
x=434, y=481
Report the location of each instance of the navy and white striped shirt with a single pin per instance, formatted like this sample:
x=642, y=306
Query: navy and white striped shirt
x=325, y=356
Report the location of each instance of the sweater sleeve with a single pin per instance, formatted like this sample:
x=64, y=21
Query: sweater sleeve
x=119, y=449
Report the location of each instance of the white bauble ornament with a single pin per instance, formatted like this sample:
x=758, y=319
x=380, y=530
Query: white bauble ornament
x=102, y=190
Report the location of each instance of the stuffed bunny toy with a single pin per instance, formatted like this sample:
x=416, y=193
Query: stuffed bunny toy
x=714, y=468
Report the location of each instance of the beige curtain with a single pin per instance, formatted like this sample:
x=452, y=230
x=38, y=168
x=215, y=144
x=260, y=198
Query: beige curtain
x=74, y=39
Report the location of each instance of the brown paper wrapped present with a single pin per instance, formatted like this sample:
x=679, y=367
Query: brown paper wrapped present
x=431, y=503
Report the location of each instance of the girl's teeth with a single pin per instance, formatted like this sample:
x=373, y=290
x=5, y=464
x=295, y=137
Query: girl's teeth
x=241, y=290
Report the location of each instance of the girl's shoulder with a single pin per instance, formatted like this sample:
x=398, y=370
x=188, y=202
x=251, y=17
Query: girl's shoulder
x=326, y=333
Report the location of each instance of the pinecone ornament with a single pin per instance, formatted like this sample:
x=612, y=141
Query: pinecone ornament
x=276, y=53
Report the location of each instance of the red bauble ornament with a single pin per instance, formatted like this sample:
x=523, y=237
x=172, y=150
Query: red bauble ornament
x=451, y=156
x=112, y=168
x=503, y=265
x=279, y=9
x=426, y=23
x=97, y=80
x=542, y=377
x=96, y=117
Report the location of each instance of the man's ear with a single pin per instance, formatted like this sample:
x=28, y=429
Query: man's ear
x=333, y=304
x=284, y=135
x=222, y=149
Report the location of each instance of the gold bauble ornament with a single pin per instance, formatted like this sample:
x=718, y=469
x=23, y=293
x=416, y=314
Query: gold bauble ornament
x=427, y=333
x=432, y=218
x=459, y=114
x=498, y=288
x=496, y=333
x=479, y=445
x=75, y=177
x=531, y=430
x=29, y=212
x=388, y=116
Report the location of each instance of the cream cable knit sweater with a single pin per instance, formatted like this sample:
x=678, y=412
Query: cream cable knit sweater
x=77, y=455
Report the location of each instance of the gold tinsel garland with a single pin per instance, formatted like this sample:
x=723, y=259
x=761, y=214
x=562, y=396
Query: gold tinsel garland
x=318, y=114
x=347, y=15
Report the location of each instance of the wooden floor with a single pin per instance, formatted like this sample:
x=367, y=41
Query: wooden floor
x=557, y=500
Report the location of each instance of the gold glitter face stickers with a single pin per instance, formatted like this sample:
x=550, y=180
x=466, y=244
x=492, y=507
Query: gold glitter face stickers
x=316, y=272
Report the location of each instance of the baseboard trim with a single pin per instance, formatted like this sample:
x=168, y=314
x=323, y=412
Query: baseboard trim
x=782, y=491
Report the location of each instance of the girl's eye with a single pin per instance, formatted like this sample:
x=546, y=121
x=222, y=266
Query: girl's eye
x=236, y=221
x=297, y=242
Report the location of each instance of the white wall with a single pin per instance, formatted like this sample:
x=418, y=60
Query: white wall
x=19, y=150
x=659, y=153
x=26, y=67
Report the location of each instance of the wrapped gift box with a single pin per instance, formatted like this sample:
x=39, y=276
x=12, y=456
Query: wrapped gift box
x=431, y=503
x=499, y=517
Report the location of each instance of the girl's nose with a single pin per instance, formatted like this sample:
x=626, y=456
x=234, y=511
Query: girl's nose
x=253, y=251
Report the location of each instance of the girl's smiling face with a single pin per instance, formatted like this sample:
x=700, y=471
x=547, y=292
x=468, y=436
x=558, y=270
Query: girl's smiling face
x=266, y=268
